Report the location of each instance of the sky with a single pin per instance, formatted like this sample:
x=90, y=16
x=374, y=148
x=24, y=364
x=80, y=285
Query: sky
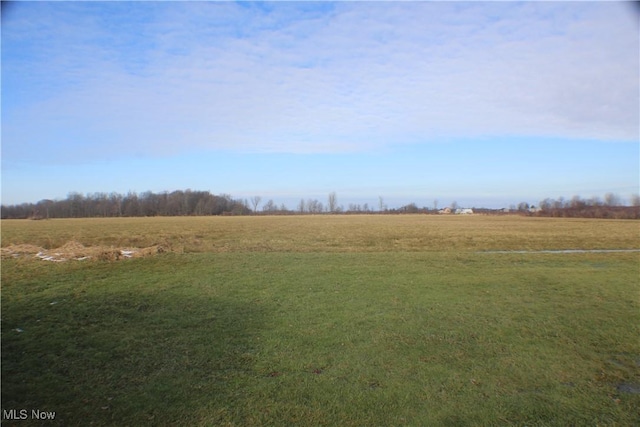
x=486, y=104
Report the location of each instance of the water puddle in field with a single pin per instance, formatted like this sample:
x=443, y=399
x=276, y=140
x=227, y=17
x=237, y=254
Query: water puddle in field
x=562, y=251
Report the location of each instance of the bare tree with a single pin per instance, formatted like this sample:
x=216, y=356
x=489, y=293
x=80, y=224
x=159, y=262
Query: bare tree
x=559, y=203
x=635, y=199
x=577, y=203
x=381, y=205
x=611, y=199
x=255, y=201
x=314, y=206
x=594, y=201
x=44, y=206
x=333, y=201
x=269, y=206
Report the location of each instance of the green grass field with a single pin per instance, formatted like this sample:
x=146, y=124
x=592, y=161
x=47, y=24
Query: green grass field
x=325, y=320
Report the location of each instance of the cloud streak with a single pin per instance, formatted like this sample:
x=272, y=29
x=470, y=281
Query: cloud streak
x=153, y=79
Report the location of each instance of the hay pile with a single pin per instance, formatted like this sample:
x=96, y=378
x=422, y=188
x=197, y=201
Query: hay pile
x=73, y=250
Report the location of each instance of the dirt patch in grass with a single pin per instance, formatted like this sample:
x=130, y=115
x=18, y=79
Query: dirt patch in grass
x=76, y=251
x=629, y=388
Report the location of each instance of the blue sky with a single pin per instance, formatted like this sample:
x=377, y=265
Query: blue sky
x=482, y=103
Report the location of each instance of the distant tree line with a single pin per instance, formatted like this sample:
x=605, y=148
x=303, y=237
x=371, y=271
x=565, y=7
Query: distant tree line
x=199, y=203
x=611, y=206
x=177, y=203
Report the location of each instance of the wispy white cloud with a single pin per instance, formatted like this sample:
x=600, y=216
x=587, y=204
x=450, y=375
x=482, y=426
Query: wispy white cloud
x=153, y=78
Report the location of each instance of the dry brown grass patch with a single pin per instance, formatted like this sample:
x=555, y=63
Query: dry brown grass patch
x=321, y=233
x=73, y=250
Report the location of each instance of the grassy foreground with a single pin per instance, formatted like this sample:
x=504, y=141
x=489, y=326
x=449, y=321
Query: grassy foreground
x=325, y=321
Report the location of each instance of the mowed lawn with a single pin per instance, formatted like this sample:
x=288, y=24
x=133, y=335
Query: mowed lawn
x=325, y=320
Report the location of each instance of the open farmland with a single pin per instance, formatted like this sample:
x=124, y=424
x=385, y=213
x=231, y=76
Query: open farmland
x=329, y=233
x=323, y=320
